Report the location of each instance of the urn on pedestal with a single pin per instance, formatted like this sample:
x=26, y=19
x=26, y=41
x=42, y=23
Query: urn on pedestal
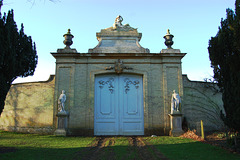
x=168, y=39
x=68, y=42
x=68, y=39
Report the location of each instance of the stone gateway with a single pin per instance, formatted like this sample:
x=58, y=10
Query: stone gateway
x=117, y=88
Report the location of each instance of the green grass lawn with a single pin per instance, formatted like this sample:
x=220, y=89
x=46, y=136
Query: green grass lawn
x=187, y=149
x=34, y=147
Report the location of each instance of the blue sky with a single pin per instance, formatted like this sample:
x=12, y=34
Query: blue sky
x=192, y=22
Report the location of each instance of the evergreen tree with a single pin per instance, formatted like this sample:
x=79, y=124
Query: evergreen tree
x=1, y=3
x=224, y=53
x=18, y=56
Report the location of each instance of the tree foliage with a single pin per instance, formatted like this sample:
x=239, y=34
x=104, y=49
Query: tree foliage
x=18, y=56
x=224, y=53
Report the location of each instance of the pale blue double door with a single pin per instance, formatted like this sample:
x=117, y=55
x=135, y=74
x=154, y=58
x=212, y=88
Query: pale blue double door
x=118, y=105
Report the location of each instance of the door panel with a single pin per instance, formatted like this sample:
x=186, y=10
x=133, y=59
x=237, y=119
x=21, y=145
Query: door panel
x=131, y=95
x=118, y=105
x=105, y=118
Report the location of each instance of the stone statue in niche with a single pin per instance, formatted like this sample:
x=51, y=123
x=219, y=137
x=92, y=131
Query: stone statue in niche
x=175, y=103
x=61, y=101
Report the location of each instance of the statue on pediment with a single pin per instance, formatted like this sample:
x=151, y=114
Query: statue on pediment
x=117, y=25
x=118, y=22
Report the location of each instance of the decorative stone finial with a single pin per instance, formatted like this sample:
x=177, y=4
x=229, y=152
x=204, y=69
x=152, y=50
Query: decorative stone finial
x=168, y=31
x=168, y=39
x=68, y=39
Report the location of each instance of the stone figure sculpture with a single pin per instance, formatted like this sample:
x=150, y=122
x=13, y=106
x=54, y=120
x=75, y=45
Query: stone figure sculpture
x=118, y=22
x=175, y=102
x=61, y=101
x=118, y=26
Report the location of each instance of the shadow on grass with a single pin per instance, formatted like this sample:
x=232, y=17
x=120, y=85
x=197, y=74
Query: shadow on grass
x=183, y=151
x=31, y=153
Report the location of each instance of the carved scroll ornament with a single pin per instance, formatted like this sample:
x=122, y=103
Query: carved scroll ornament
x=118, y=67
x=128, y=82
x=109, y=83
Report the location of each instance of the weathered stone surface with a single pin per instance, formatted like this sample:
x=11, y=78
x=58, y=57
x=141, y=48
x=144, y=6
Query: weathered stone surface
x=176, y=133
x=67, y=50
x=161, y=74
x=176, y=125
x=60, y=132
x=121, y=40
x=202, y=101
x=29, y=108
x=170, y=51
x=62, y=125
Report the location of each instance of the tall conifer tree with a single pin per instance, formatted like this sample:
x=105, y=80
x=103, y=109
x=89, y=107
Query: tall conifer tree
x=18, y=55
x=224, y=53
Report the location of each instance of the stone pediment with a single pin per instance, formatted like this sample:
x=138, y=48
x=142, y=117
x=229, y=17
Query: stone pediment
x=119, y=39
x=110, y=32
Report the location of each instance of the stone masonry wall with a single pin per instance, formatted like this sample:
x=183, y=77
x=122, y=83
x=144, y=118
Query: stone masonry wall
x=29, y=107
x=202, y=101
x=75, y=73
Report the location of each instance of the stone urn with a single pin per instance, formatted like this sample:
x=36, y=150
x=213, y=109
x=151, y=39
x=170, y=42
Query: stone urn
x=168, y=39
x=68, y=39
